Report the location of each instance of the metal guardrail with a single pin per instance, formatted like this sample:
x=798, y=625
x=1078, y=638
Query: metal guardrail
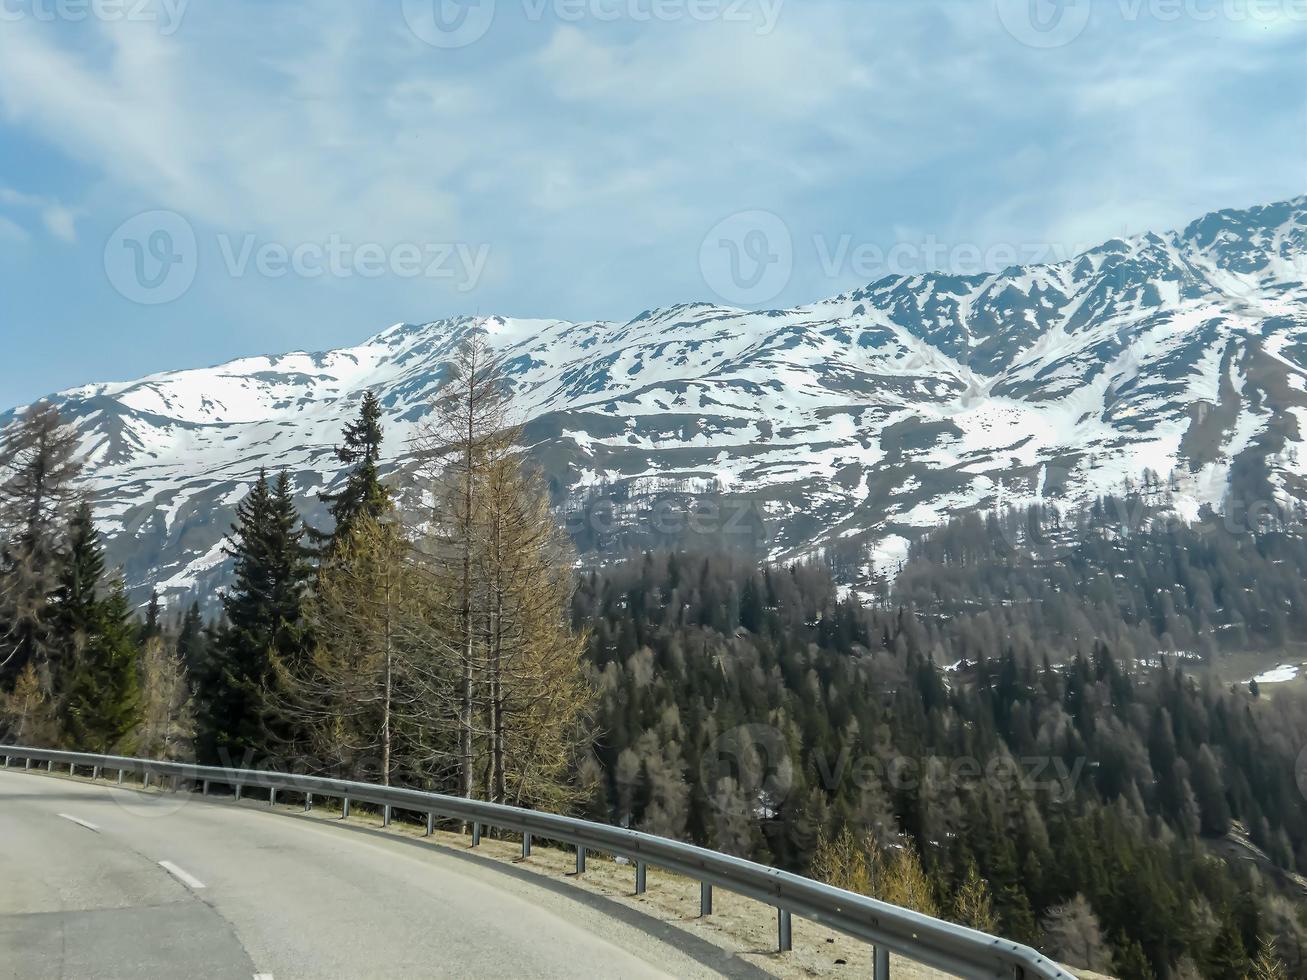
x=952, y=948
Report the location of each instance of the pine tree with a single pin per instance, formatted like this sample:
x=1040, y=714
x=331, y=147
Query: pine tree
x=191, y=641
x=151, y=627
x=362, y=674
x=76, y=601
x=1267, y=965
x=38, y=476
x=103, y=707
x=469, y=422
x=264, y=621
x=904, y=881
x=26, y=712
x=972, y=905
x=363, y=494
x=92, y=646
x=167, y=710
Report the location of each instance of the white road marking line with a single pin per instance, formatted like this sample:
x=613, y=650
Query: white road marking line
x=263, y=976
x=81, y=823
x=186, y=879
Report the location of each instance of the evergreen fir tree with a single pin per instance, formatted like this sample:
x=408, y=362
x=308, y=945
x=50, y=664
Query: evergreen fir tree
x=104, y=697
x=94, y=647
x=151, y=628
x=191, y=640
x=264, y=620
x=363, y=493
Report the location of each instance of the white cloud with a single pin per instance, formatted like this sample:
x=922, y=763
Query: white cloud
x=592, y=157
x=59, y=220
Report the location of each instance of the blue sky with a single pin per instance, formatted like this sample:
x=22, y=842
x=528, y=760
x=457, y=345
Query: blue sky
x=188, y=182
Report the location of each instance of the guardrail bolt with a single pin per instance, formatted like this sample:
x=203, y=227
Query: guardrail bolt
x=705, y=898
x=580, y=859
x=880, y=960
x=783, y=940
x=526, y=845
x=639, y=877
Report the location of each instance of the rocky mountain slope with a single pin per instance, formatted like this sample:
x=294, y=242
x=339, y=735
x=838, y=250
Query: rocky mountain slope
x=862, y=417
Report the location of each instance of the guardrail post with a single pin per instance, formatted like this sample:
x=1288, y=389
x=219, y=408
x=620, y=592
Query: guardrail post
x=239, y=790
x=783, y=941
x=431, y=823
x=308, y=802
x=27, y=763
x=880, y=960
x=120, y=777
x=526, y=845
x=639, y=877
x=205, y=790
x=476, y=832
x=272, y=796
x=580, y=859
x=95, y=773
x=344, y=808
x=705, y=898
x=72, y=768
x=49, y=765
x=385, y=815
x=145, y=779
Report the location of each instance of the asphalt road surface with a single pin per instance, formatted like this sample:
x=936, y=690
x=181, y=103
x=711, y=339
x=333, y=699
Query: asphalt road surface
x=97, y=881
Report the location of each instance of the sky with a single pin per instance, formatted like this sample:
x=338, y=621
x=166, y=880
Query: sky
x=183, y=182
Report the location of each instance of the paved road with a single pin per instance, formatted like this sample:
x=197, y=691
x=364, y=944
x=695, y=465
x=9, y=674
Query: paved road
x=177, y=887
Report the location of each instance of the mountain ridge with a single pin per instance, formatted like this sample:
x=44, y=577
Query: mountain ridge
x=861, y=418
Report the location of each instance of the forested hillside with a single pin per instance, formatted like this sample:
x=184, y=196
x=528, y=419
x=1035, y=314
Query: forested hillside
x=754, y=710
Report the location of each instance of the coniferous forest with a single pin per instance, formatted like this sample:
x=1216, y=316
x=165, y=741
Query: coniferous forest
x=1019, y=728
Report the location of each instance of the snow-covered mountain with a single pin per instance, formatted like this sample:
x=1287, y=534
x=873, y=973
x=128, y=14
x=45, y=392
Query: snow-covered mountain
x=868, y=415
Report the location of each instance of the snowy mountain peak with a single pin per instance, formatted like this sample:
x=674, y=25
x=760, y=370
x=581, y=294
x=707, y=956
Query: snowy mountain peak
x=867, y=416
